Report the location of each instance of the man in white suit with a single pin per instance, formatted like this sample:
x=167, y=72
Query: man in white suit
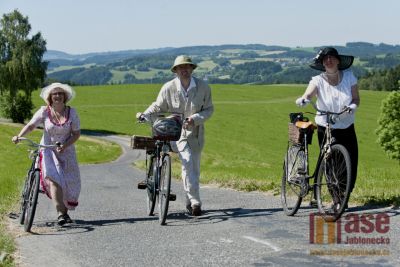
x=192, y=97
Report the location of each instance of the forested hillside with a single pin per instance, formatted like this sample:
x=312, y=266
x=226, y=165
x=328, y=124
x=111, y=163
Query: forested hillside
x=239, y=64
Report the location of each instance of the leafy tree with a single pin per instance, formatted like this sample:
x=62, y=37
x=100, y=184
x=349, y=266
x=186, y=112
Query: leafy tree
x=389, y=125
x=93, y=76
x=129, y=78
x=21, y=67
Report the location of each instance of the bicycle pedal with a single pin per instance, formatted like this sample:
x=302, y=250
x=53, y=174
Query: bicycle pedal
x=296, y=180
x=301, y=171
x=142, y=185
x=172, y=197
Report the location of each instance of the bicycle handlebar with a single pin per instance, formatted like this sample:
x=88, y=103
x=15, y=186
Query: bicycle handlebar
x=142, y=118
x=324, y=112
x=34, y=144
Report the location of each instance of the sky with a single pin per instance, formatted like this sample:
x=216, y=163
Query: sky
x=84, y=26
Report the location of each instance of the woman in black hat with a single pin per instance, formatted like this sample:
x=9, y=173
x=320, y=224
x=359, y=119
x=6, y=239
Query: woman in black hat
x=336, y=89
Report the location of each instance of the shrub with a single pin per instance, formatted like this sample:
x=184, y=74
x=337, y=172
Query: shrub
x=389, y=125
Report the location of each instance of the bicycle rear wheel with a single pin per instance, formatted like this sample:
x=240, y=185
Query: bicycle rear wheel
x=31, y=199
x=165, y=187
x=151, y=187
x=293, y=179
x=333, y=183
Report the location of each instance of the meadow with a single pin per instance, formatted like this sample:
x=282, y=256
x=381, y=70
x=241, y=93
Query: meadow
x=246, y=138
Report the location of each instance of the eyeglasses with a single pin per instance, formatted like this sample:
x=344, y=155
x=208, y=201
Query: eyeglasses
x=58, y=93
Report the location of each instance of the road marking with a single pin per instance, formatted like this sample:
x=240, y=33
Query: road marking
x=264, y=242
x=225, y=240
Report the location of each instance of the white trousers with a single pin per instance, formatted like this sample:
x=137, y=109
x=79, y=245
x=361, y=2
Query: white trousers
x=191, y=175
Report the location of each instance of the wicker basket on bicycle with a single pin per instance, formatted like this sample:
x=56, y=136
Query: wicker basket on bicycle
x=298, y=127
x=143, y=142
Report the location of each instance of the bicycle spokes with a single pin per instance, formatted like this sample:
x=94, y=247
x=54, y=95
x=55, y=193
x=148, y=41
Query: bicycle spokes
x=294, y=183
x=333, y=182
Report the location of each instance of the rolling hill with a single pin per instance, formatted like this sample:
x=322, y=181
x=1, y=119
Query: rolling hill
x=240, y=64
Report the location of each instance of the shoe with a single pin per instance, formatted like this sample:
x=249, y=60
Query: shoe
x=196, y=210
x=172, y=197
x=61, y=220
x=142, y=185
x=313, y=203
x=67, y=218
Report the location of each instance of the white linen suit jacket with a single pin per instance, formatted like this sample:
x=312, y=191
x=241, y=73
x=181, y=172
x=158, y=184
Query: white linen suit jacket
x=197, y=105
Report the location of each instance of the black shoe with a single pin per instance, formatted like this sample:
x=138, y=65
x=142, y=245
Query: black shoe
x=313, y=203
x=142, y=185
x=196, y=210
x=67, y=219
x=172, y=197
x=61, y=220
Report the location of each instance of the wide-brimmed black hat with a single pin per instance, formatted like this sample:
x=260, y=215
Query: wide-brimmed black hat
x=344, y=61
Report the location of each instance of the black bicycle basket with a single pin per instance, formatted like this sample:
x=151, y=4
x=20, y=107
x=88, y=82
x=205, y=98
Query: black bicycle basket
x=297, y=117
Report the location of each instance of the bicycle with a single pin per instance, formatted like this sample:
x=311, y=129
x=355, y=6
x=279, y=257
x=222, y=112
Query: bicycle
x=33, y=180
x=158, y=161
x=332, y=173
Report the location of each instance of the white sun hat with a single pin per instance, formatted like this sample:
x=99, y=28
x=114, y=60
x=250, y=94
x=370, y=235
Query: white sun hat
x=69, y=92
x=181, y=60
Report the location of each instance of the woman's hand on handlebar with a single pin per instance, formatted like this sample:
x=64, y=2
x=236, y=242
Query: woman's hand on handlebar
x=301, y=101
x=350, y=108
x=15, y=139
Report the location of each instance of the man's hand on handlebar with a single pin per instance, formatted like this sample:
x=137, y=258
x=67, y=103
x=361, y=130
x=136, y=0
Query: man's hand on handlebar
x=140, y=117
x=188, y=123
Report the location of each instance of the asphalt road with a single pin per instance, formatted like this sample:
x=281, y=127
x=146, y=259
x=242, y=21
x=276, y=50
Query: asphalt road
x=111, y=228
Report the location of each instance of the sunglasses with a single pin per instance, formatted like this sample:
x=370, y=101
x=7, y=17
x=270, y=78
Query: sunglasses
x=58, y=93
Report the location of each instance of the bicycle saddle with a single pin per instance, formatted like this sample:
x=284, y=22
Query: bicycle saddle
x=305, y=125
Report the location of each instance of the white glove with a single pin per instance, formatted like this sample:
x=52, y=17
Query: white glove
x=351, y=108
x=301, y=102
x=141, y=117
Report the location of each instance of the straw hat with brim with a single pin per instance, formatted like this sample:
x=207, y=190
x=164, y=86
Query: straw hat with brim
x=344, y=61
x=69, y=92
x=181, y=60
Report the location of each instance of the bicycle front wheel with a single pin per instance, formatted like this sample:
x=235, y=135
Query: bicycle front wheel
x=333, y=183
x=293, y=180
x=24, y=198
x=151, y=186
x=165, y=187
x=32, y=198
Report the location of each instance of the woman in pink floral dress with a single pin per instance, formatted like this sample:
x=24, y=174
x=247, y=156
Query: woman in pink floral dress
x=61, y=123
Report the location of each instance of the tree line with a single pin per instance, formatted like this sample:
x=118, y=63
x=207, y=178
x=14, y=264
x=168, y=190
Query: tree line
x=382, y=80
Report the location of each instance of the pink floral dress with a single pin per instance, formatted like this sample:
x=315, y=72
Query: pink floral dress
x=62, y=168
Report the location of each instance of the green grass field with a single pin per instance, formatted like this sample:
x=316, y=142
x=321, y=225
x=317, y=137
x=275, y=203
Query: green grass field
x=247, y=136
